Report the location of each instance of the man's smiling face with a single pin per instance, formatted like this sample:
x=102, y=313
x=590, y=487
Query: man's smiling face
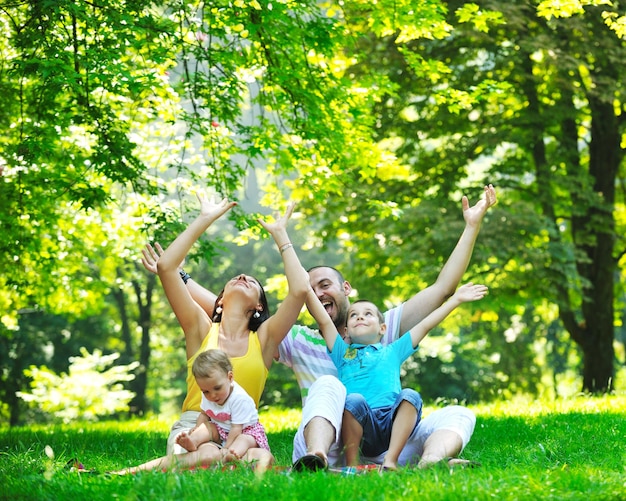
x=332, y=293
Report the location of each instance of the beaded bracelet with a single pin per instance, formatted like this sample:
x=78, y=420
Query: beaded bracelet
x=284, y=247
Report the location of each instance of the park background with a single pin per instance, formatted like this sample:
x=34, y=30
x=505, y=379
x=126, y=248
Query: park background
x=376, y=118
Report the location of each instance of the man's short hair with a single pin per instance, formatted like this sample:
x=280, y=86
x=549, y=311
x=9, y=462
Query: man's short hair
x=337, y=272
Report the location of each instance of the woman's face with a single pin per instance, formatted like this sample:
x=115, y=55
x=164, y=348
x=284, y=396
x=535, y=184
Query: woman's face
x=246, y=284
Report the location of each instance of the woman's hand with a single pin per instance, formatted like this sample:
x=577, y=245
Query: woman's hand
x=212, y=209
x=279, y=224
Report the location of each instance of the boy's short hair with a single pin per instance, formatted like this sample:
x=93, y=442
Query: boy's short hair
x=381, y=317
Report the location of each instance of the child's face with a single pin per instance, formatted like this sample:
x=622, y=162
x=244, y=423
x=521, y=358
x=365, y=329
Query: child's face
x=216, y=387
x=364, y=325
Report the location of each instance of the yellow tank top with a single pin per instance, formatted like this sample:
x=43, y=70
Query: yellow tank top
x=249, y=371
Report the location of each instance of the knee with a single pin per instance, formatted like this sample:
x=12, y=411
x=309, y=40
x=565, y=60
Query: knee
x=355, y=404
x=328, y=384
x=413, y=398
x=464, y=413
x=354, y=400
x=326, y=399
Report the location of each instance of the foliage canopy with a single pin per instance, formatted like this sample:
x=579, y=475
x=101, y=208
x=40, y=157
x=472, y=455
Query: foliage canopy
x=376, y=117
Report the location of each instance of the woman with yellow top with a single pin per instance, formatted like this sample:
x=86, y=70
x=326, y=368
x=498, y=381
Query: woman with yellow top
x=241, y=326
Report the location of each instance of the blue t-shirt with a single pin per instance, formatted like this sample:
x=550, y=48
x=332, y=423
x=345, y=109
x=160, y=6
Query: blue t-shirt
x=372, y=370
x=304, y=350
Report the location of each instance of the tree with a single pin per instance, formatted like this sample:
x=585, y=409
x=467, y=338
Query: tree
x=86, y=90
x=68, y=92
x=535, y=105
x=102, y=103
x=91, y=389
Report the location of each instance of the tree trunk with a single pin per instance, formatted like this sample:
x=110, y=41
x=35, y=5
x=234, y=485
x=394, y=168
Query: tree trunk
x=594, y=234
x=139, y=404
x=591, y=325
x=120, y=300
x=598, y=356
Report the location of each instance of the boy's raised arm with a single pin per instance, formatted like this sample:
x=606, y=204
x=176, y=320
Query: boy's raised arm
x=321, y=316
x=465, y=293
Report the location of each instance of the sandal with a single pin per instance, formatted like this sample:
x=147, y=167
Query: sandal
x=310, y=462
x=75, y=465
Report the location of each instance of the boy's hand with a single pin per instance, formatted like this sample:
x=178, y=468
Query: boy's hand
x=471, y=292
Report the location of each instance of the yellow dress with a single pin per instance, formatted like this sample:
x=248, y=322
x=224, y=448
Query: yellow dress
x=249, y=370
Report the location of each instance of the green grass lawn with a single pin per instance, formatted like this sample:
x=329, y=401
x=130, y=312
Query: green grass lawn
x=561, y=450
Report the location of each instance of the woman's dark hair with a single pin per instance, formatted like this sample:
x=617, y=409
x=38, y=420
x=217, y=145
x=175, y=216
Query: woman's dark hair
x=254, y=323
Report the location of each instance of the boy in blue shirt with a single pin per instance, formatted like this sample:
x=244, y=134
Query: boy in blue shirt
x=379, y=415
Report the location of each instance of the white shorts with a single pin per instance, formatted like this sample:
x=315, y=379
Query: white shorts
x=326, y=399
x=186, y=422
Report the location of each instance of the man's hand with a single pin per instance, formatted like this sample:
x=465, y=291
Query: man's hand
x=474, y=215
x=151, y=257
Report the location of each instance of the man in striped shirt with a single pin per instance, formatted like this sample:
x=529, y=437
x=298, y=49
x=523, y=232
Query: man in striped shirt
x=441, y=435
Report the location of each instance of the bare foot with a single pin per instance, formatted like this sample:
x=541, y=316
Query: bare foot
x=451, y=462
x=388, y=466
x=184, y=440
x=263, y=464
x=262, y=460
x=229, y=456
x=462, y=463
x=126, y=471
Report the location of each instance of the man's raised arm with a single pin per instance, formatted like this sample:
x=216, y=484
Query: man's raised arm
x=433, y=296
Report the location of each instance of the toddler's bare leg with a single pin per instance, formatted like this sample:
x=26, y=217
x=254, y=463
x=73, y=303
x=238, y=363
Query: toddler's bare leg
x=205, y=455
x=199, y=435
x=239, y=447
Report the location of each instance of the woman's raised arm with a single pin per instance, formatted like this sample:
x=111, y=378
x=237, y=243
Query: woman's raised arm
x=194, y=321
x=274, y=330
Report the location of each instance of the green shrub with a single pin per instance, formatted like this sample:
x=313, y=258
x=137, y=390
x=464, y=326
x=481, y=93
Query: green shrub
x=91, y=389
